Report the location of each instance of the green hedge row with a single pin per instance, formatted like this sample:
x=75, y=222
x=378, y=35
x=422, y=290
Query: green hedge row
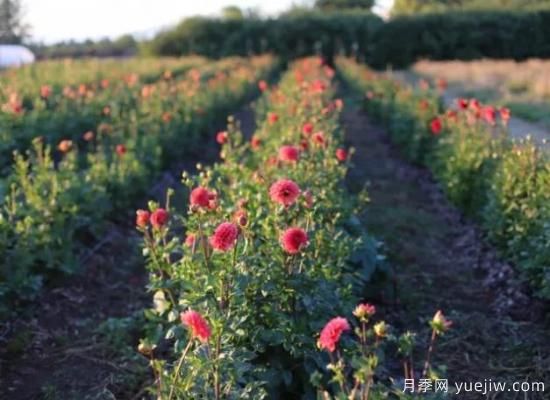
x=399, y=42
x=462, y=35
x=290, y=37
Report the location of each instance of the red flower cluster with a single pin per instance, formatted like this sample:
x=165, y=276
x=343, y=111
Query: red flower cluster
x=224, y=237
x=293, y=240
x=284, y=192
x=330, y=335
x=197, y=324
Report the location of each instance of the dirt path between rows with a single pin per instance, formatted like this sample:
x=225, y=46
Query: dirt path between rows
x=78, y=341
x=443, y=262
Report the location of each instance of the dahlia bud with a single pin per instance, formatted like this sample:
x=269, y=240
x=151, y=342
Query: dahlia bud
x=381, y=329
x=364, y=311
x=439, y=323
x=142, y=218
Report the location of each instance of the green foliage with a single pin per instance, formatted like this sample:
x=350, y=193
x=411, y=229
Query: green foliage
x=12, y=28
x=332, y=5
x=463, y=36
x=290, y=37
x=411, y=7
x=232, y=13
x=503, y=184
x=124, y=46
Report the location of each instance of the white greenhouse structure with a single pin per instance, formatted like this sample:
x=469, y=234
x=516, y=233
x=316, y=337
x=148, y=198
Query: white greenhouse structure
x=15, y=56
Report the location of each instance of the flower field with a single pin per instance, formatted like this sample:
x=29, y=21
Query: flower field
x=279, y=271
x=101, y=144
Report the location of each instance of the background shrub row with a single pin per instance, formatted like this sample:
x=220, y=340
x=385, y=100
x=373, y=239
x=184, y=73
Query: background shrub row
x=399, y=42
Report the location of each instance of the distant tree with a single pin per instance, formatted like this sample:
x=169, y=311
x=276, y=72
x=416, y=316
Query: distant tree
x=401, y=7
x=232, y=13
x=331, y=5
x=12, y=28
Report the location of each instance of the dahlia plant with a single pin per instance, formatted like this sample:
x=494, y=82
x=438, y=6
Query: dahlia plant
x=267, y=249
x=358, y=368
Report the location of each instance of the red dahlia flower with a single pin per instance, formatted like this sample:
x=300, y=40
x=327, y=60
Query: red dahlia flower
x=88, y=136
x=190, y=239
x=330, y=335
x=142, y=218
x=241, y=217
x=319, y=138
x=197, y=325
x=284, y=192
x=436, y=126
x=341, y=154
x=65, y=145
x=262, y=85
x=289, y=154
x=293, y=240
x=462, y=103
x=222, y=137
x=272, y=118
x=120, y=149
x=307, y=129
x=45, y=91
x=489, y=114
x=224, y=236
x=201, y=197
x=504, y=114
x=255, y=142
x=159, y=218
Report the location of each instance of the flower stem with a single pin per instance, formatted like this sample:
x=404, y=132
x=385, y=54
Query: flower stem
x=178, y=367
x=430, y=351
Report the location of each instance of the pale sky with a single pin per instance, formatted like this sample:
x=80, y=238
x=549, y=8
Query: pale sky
x=55, y=20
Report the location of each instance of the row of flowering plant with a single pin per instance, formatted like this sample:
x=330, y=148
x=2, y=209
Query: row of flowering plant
x=358, y=368
x=68, y=112
x=266, y=254
x=503, y=183
x=57, y=200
